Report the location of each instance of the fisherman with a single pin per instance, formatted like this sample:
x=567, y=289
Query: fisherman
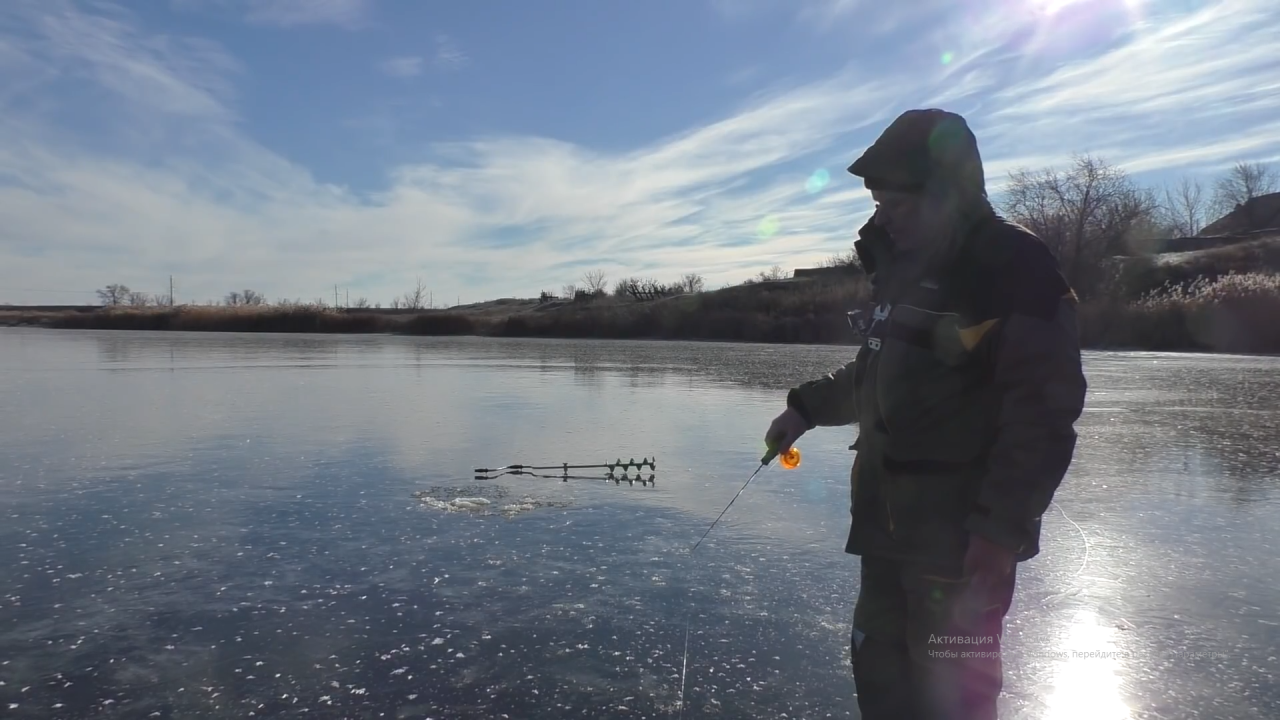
x=965, y=392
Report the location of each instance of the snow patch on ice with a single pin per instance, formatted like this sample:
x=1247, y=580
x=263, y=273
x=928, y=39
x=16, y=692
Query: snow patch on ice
x=461, y=504
x=482, y=505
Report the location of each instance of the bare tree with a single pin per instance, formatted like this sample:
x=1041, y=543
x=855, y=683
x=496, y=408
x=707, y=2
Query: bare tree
x=416, y=298
x=244, y=298
x=162, y=300
x=691, y=283
x=594, y=282
x=1184, y=207
x=623, y=287
x=568, y=291
x=848, y=258
x=361, y=303
x=114, y=294
x=1084, y=213
x=774, y=273
x=137, y=298
x=1243, y=182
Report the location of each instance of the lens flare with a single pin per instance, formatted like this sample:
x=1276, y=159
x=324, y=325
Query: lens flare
x=817, y=181
x=768, y=227
x=947, y=57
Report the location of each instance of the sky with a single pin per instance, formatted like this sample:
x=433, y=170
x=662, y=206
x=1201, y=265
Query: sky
x=502, y=148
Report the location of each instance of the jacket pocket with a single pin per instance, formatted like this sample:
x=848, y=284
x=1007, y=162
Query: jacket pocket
x=928, y=499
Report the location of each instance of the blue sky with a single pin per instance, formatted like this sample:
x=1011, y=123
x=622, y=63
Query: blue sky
x=500, y=148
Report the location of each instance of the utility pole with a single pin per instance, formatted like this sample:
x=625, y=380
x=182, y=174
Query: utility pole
x=335, y=295
x=170, y=291
x=347, y=302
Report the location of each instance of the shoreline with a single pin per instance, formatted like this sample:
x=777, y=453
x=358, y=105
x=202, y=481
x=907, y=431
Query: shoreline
x=851, y=345
x=1105, y=326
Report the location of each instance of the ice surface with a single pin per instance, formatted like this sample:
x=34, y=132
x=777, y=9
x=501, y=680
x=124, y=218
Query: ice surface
x=156, y=564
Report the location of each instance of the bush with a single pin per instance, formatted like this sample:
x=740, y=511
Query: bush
x=443, y=324
x=299, y=319
x=1230, y=313
x=803, y=312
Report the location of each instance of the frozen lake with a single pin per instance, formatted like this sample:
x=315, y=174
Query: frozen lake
x=203, y=525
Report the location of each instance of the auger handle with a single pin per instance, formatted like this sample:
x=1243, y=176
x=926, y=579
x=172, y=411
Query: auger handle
x=509, y=467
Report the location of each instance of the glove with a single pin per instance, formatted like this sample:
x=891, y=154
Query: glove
x=785, y=430
x=986, y=564
x=986, y=559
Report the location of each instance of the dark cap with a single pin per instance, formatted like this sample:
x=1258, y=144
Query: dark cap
x=921, y=147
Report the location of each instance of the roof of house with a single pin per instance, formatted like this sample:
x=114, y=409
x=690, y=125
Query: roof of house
x=1258, y=213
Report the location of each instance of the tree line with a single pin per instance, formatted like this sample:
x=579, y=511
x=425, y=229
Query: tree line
x=595, y=284
x=1092, y=210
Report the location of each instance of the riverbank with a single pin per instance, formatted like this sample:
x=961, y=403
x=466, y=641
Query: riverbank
x=1234, y=313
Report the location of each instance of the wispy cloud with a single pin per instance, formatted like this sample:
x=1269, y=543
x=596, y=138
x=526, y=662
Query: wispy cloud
x=180, y=77
x=403, y=67
x=820, y=14
x=290, y=13
x=745, y=76
x=825, y=13
x=220, y=210
x=1209, y=78
x=448, y=55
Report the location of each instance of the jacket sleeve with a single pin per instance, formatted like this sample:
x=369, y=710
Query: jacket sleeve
x=1041, y=387
x=828, y=400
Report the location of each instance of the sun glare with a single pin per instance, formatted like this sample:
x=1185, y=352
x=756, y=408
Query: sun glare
x=1051, y=7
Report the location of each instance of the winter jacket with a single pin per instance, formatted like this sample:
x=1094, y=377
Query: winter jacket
x=965, y=393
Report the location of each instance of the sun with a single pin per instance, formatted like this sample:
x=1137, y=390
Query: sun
x=1053, y=7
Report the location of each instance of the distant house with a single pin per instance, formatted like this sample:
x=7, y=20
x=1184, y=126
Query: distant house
x=1259, y=213
x=1208, y=242
x=1257, y=219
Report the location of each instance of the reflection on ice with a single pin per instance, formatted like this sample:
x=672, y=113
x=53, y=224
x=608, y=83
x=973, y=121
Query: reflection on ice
x=1087, y=673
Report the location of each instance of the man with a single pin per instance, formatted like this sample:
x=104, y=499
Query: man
x=965, y=392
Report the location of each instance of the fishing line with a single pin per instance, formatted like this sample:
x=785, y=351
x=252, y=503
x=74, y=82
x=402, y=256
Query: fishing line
x=1083, y=537
x=726, y=507
x=789, y=460
x=1075, y=586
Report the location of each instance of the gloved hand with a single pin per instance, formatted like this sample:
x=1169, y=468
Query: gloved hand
x=987, y=560
x=785, y=430
x=986, y=565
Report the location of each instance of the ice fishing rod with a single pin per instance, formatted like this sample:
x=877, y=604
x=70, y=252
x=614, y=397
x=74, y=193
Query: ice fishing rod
x=788, y=460
x=566, y=467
